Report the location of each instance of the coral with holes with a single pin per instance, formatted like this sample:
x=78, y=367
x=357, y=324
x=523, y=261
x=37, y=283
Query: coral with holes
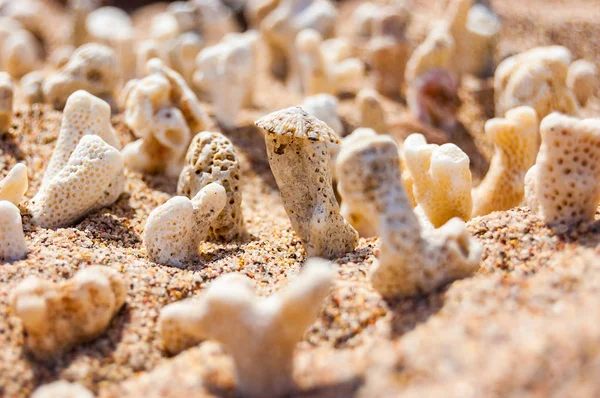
x=324, y=108
x=411, y=261
x=92, y=67
x=516, y=142
x=260, y=334
x=372, y=114
x=535, y=78
x=174, y=230
x=297, y=147
x=12, y=240
x=6, y=101
x=62, y=389
x=163, y=113
x=563, y=186
x=211, y=157
x=56, y=316
x=21, y=52
x=14, y=185
x=441, y=179
x=584, y=80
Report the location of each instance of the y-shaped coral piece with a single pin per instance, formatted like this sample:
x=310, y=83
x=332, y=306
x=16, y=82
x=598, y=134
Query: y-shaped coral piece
x=300, y=161
x=175, y=229
x=535, y=78
x=410, y=261
x=372, y=114
x=6, y=101
x=563, y=187
x=584, y=80
x=516, y=141
x=211, y=157
x=321, y=73
x=259, y=333
x=92, y=67
x=62, y=389
x=15, y=184
x=163, y=112
x=442, y=179
x=324, y=108
x=59, y=315
x=12, y=240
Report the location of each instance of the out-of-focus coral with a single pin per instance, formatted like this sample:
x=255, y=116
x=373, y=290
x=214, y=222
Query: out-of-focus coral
x=15, y=184
x=12, y=240
x=62, y=389
x=584, y=80
x=20, y=50
x=6, y=101
x=32, y=87
x=324, y=108
x=372, y=114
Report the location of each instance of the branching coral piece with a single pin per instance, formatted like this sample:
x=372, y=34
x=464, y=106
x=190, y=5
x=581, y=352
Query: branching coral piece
x=516, y=141
x=584, y=80
x=324, y=108
x=211, y=157
x=319, y=71
x=15, y=184
x=372, y=114
x=92, y=67
x=442, y=179
x=174, y=230
x=21, y=52
x=227, y=72
x=410, y=261
x=535, y=78
x=6, y=101
x=260, y=334
x=163, y=112
x=12, y=240
x=300, y=161
x=60, y=315
x=563, y=185
x=62, y=389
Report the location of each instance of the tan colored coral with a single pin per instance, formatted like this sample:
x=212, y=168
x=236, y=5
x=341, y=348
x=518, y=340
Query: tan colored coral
x=62, y=389
x=442, y=179
x=12, y=240
x=516, y=141
x=584, y=80
x=324, y=108
x=563, y=186
x=15, y=184
x=182, y=53
x=92, y=67
x=78, y=13
x=56, y=316
x=322, y=73
x=372, y=114
x=6, y=101
x=175, y=229
x=257, y=10
x=32, y=87
x=211, y=157
x=163, y=113
x=60, y=56
x=410, y=261
x=535, y=78
x=21, y=52
x=300, y=161
x=260, y=334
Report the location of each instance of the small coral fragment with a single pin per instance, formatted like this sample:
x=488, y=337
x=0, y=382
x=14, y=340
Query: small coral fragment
x=324, y=108
x=175, y=229
x=563, y=186
x=6, y=101
x=372, y=114
x=441, y=179
x=15, y=184
x=211, y=157
x=260, y=334
x=411, y=261
x=21, y=52
x=300, y=161
x=60, y=315
x=516, y=141
x=584, y=80
x=62, y=389
x=12, y=240
x=32, y=87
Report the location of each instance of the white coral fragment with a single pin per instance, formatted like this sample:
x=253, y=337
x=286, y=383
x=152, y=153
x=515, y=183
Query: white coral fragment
x=15, y=184
x=6, y=101
x=175, y=229
x=584, y=80
x=12, y=240
x=516, y=142
x=324, y=108
x=260, y=334
x=62, y=389
x=372, y=114
x=563, y=186
x=411, y=261
x=60, y=315
x=21, y=52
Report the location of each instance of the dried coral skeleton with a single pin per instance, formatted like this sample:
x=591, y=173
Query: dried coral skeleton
x=12, y=240
x=15, y=184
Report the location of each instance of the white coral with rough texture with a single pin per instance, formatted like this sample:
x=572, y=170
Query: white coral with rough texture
x=12, y=240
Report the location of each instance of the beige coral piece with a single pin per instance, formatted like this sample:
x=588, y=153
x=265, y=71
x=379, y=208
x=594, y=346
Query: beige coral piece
x=410, y=261
x=211, y=157
x=182, y=53
x=260, y=334
x=15, y=184
x=6, y=101
x=21, y=52
x=300, y=161
x=583, y=79
x=60, y=315
x=32, y=87
x=174, y=230
x=12, y=240
x=441, y=179
x=324, y=108
x=535, y=78
x=516, y=141
x=372, y=114
x=563, y=186
x=62, y=389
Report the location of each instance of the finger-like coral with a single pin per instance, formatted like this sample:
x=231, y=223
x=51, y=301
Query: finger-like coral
x=563, y=185
x=163, y=112
x=78, y=13
x=410, y=261
x=174, y=230
x=182, y=53
x=15, y=184
x=211, y=157
x=21, y=52
x=6, y=101
x=227, y=72
x=319, y=71
x=584, y=80
x=300, y=161
x=324, y=108
x=441, y=179
x=516, y=142
x=535, y=78
x=372, y=114
x=253, y=330
x=92, y=67
x=12, y=240
x=62, y=389
x=32, y=87
x=60, y=315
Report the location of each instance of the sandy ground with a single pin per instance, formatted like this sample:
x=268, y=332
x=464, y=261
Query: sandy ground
x=526, y=325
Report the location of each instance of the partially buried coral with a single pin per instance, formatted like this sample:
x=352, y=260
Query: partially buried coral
x=15, y=184
x=62, y=389
x=12, y=240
